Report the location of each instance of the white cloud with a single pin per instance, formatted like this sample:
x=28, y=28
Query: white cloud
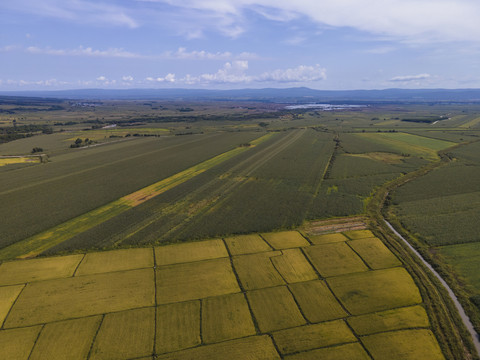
x=127, y=78
x=169, y=78
x=83, y=51
x=235, y=72
x=403, y=20
x=101, y=78
x=406, y=78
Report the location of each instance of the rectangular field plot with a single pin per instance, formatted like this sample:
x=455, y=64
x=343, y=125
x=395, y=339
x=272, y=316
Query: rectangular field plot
x=374, y=253
x=334, y=259
x=285, y=239
x=16, y=344
x=66, y=340
x=377, y=290
x=116, y=260
x=178, y=326
x=256, y=271
x=327, y=238
x=313, y=336
x=251, y=348
x=246, y=244
x=316, y=301
x=293, y=266
x=403, y=318
x=23, y=271
x=126, y=334
x=274, y=309
x=8, y=295
x=226, y=317
x=61, y=299
x=343, y=352
x=197, y=280
x=403, y=345
x=194, y=251
x=359, y=234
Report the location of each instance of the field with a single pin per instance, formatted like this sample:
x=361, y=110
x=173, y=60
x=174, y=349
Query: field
x=202, y=308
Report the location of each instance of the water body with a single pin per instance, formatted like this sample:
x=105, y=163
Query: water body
x=324, y=107
x=461, y=311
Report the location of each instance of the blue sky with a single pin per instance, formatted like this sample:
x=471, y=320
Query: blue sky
x=225, y=44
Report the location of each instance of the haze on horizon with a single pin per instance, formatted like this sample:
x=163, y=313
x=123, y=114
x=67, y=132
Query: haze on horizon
x=228, y=44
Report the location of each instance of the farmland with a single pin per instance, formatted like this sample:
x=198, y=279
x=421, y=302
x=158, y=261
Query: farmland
x=202, y=212
x=107, y=308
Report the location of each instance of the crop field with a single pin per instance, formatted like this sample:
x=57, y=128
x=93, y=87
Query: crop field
x=204, y=306
x=19, y=160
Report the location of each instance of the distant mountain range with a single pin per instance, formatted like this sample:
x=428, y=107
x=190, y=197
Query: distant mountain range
x=290, y=95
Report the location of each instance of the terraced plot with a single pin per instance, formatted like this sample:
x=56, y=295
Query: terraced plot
x=198, y=301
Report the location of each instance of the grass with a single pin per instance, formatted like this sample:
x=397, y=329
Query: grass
x=316, y=301
x=397, y=319
x=20, y=272
x=178, y=326
x=189, y=281
x=126, y=334
x=256, y=271
x=313, y=336
x=115, y=260
x=377, y=290
x=66, y=340
x=403, y=345
x=274, y=309
x=349, y=351
x=60, y=299
x=246, y=244
x=374, y=253
x=293, y=266
x=334, y=259
x=385, y=157
x=226, y=317
x=285, y=239
x=195, y=251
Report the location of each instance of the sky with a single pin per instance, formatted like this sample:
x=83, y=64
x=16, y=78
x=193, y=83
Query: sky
x=231, y=44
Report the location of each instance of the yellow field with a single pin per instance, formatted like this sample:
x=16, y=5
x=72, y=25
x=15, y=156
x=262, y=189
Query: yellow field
x=344, y=352
x=256, y=271
x=20, y=272
x=403, y=345
x=359, y=234
x=388, y=158
x=61, y=299
x=327, y=238
x=126, y=334
x=8, y=295
x=197, y=280
x=66, y=340
x=115, y=260
x=246, y=244
x=178, y=326
x=403, y=318
x=275, y=309
x=19, y=160
x=188, y=252
x=374, y=253
x=377, y=290
x=16, y=344
x=197, y=301
x=335, y=259
x=471, y=123
x=313, y=337
x=316, y=301
x=285, y=239
x=293, y=266
x=226, y=317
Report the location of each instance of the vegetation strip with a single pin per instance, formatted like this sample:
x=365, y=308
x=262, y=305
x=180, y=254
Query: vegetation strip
x=36, y=244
